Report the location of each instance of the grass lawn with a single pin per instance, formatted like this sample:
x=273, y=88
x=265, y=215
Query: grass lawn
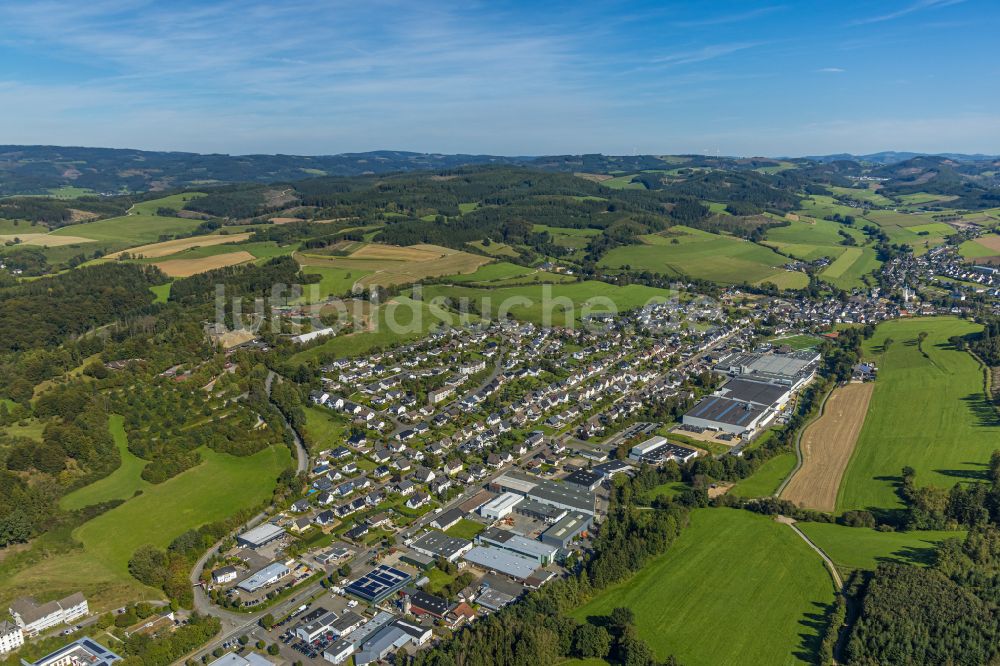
x=767, y=478
x=213, y=490
x=796, y=342
x=437, y=580
x=862, y=548
x=465, y=529
x=928, y=413
x=162, y=292
x=671, y=489
x=736, y=588
x=120, y=484
x=323, y=429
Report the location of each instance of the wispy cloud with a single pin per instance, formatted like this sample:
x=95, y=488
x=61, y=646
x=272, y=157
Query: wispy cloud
x=920, y=5
x=728, y=18
x=704, y=53
x=831, y=70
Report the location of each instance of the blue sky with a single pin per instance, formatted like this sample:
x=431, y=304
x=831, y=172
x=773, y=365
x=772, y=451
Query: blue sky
x=514, y=78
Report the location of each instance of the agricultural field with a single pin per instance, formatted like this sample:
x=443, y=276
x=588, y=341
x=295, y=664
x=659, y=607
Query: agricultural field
x=174, y=201
x=821, y=206
x=43, y=239
x=809, y=239
x=767, y=478
x=217, y=488
x=128, y=230
x=700, y=254
x=188, y=267
x=386, y=265
x=847, y=271
x=495, y=249
x=947, y=440
x=120, y=484
x=552, y=302
x=827, y=444
x=496, y=272
x=984, y=246
x=167, y=248
x=697, y=602
x=867, y=195
x=623, y=183
x=863, y=548
x=333, y=281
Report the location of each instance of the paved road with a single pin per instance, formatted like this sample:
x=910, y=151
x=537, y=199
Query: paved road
x=300, y=449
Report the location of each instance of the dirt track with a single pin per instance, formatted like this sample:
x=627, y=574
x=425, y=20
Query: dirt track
x=827, y=445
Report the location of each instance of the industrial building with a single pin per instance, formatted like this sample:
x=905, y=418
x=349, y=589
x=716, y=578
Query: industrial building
x=539, y=511
x=736, y=417
x=260, y=535
x=502, y=561
x=269, y=575
x=792, y=370
x=563, y=532
x=439, y=544
x=315, y=624
x=657, y=450
x=569, y=496
x=379, y=583
x=540, y=552
x=500, y=506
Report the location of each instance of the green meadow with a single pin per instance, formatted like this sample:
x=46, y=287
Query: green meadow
x=536, y=303
x=735, y=588
x=120, y=484
x=701, y=254
x=95, y=559
x=767, y=478
x=863, y=548
x=948, y=439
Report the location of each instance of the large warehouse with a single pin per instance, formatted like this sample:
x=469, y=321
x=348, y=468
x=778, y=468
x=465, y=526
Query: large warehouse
x=736, y=417
x=260, y=535
x=792, y=370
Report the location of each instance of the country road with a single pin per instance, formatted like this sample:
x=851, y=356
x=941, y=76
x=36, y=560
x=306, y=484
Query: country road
x=300, y=449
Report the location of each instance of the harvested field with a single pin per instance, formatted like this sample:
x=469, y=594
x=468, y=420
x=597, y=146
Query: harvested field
x=45, y=240
x=166, y=248
x=189, y=267
x=284, y=220
x=395, y=253
x=990, y=241
x=827, y=445
x=459, y=263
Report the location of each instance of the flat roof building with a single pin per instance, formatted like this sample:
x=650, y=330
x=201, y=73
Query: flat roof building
x=502, y=561
x=586, y=478
x=513, y=483
x=84, y=652
x=314, y=625
x=567, y=496
x=269, y=575
x=540, y=552
x=500, y=506
x=260, y=535
x=540, y=511
x=379, y=583
x=439, y=544
x=736, y=417
x=563, y=532
x=759, y=393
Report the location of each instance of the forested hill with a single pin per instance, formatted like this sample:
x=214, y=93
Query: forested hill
x=41, y=169
x=69, y=171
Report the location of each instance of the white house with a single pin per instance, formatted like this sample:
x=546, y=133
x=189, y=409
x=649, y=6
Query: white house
x=11, y=637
